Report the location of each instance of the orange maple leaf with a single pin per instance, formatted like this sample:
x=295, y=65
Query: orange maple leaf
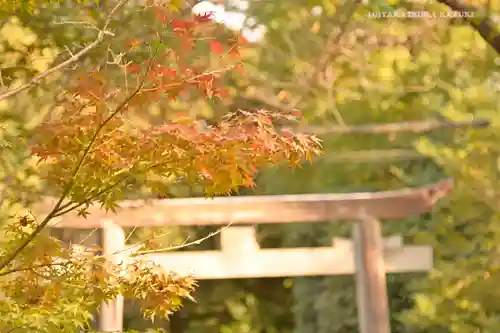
x=217, y=47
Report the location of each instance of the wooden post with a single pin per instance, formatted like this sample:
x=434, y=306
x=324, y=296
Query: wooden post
x=371, y=285
x=111, y=313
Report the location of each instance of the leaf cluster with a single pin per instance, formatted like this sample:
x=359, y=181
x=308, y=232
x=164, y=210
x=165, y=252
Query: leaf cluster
x=89, y=147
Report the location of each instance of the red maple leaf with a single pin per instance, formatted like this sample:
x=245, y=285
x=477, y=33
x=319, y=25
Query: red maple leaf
x=240, y=68
x=133, y=68
x=217, y=47
x=182, y=24
x=204, y=18
x=241, y=40
x=165, y=71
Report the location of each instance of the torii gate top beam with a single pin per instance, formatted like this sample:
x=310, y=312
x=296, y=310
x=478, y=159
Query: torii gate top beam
x=259, y=209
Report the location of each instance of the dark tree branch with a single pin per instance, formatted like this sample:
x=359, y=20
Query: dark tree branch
x=373, y=156
x=484, y=25
x=423, y=126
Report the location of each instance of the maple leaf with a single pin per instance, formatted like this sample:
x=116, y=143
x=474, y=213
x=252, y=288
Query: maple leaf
x=234, y=52
x=204, y=18
x=182, y=24
x=175, y=5
x=240, y=68
x=241, y=40
x=133, y=68
x=133, y=42
x=83, y=212
x=165, y=71
x=160, y=14
x=217, y=47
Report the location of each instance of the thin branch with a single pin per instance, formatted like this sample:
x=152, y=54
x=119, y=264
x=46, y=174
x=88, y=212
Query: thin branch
x=5, y=261
x=183, y=245
x=131, y=233
x=74, y=58
x=377, y=155
x=23, y=269
x=480, y=21
x=142, y=242
x=70, y=206
x=423, y=126
x=16, y=328
x=131, y=248
x=57, y=207
x=88, y=236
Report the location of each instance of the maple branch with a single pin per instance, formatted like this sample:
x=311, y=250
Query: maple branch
x=183, y=245
x=419, y=126
x=129, y=248
x=8, y=259
x=16, y=328
x=483, y=24
x=74, y=58
x=66, y=208
x=23, y=269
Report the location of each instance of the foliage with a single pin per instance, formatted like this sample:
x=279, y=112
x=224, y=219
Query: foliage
x=89, y=148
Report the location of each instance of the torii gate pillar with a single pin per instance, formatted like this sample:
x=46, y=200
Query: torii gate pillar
x=371, y=284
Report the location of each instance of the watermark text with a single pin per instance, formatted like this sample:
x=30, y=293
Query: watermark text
x=420, y=14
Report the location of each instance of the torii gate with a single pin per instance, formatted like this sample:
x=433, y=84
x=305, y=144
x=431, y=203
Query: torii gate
x=368, y=256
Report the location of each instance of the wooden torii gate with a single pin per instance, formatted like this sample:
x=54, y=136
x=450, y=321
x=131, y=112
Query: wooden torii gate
x=368, y=255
